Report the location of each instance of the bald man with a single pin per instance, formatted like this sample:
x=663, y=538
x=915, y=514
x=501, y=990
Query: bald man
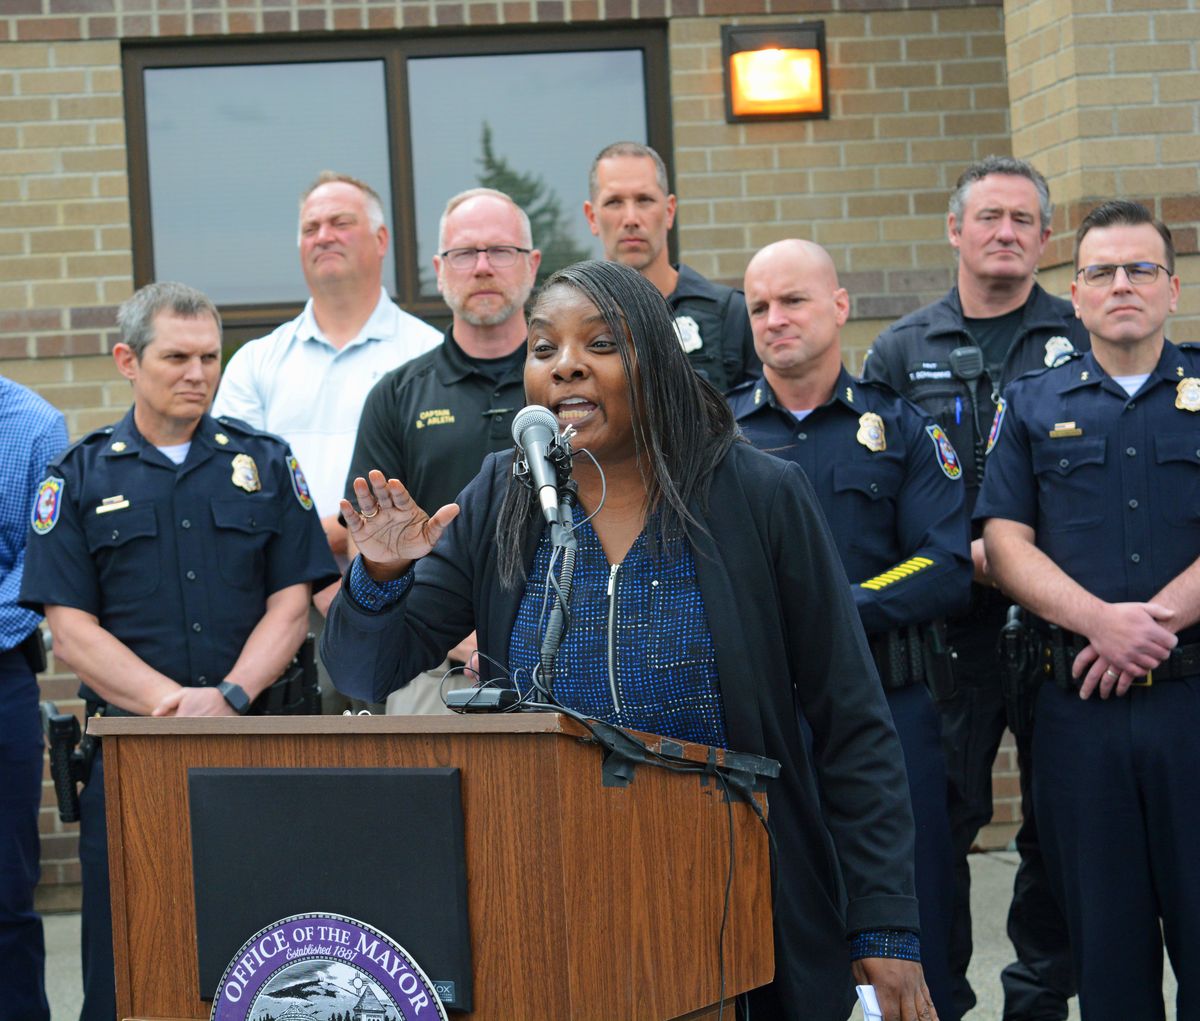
x=890, y=484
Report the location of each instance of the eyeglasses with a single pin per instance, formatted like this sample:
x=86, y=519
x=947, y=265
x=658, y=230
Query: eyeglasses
x=1135, y=272
x=500, y=256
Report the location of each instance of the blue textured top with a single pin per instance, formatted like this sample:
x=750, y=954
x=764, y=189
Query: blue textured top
x=638, y=652
x=32, y=434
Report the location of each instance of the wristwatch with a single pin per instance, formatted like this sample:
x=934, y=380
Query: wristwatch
x=236, y=696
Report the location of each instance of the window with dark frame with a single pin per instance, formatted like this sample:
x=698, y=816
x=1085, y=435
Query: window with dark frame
x=224, y=137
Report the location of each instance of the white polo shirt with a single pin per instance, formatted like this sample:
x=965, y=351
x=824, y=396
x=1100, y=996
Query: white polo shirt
x=296, y=384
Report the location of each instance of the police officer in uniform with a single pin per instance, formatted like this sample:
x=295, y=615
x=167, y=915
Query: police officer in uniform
x=1092, y=523
x=631, y=210
x=953, y=358
x=890, y=485
x=174, y=555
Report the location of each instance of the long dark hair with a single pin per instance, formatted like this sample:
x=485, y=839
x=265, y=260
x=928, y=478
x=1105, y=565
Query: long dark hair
x=682, y=426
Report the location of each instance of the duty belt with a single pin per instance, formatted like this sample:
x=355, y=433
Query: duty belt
x=898, y=657
x=1059, y=649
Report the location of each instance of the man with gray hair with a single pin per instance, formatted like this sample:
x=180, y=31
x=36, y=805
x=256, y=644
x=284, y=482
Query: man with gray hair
x=631, y=210
x=173, y=555
x=954, y=358
x=432, y=421
x=308, y=379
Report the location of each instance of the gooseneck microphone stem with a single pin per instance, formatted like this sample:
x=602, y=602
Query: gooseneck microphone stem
x=562, y=536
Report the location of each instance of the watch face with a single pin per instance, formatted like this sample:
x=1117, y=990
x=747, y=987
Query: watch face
x=236, y=696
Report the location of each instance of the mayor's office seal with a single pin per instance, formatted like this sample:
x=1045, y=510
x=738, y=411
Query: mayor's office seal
x=315, y=965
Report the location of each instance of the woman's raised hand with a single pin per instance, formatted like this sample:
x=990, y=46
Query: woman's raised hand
x=389, y=529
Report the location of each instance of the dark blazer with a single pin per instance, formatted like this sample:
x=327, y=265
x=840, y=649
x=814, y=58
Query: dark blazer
x=788, y=643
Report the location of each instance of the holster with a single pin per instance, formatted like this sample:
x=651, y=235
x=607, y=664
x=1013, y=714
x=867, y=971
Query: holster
x=33, y=648
x=913, y=654
x=1019, y=646
x=71, y=756
x=298, y=690
x=939, y=661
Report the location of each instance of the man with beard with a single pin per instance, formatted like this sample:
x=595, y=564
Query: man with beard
x=431, y=422
x=631, y=210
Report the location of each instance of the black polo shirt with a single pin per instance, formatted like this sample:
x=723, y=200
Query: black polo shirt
x=431, y=422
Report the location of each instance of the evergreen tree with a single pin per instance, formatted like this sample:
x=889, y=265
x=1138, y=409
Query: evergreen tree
x=540, y=202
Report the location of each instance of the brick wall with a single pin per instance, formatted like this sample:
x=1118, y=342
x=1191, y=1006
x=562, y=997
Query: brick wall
x=1106, y=101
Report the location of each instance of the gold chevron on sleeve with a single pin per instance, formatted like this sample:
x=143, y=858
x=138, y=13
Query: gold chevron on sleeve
x=898, y=573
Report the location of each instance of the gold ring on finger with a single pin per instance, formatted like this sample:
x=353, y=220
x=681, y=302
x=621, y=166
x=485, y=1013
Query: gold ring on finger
x=368, y=517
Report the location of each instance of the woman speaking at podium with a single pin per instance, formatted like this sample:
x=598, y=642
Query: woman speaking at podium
x=708, y=603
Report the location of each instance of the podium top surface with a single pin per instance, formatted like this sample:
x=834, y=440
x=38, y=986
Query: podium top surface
x=449, y=725
x=467, y=723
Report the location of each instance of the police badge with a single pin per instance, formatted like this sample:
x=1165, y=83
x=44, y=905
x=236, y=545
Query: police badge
x=1058, y=350
x=245, y=473
x=870, y=432
x=688, y=331
x=1187, y=394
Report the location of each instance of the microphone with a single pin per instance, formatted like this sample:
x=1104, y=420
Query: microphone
x=535, y=430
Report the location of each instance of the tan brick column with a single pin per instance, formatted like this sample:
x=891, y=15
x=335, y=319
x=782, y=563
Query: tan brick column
x=1105, y=100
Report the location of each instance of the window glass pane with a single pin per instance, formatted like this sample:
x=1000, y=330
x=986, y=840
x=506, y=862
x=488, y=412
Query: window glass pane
x=230, y=151
x=546, y=116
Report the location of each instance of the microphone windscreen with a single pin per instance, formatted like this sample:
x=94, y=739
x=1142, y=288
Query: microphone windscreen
x=533, y=415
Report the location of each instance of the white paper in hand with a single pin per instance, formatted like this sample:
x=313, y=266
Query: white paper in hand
x=869, y=1002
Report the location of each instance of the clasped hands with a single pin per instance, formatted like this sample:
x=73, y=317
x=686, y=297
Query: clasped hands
x=1131, y=639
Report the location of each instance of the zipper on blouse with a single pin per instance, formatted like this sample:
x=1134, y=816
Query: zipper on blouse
x=612, y=638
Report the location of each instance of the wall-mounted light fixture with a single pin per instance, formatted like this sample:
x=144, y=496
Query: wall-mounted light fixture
x=775, y=72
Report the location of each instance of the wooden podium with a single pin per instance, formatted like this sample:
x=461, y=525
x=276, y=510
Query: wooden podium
x=616, y=917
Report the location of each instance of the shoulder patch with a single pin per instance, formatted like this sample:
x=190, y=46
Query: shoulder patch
x=997, y=422
x=299, y=485
x=48, y=504
x=944, y=451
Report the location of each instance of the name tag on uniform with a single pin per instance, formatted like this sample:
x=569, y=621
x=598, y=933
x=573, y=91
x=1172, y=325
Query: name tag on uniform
x=112, y=503
x=1062, y=429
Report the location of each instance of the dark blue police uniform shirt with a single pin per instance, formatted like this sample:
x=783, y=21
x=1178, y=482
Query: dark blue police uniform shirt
x=890, y=486
x=1109, y=483
x=176, y=561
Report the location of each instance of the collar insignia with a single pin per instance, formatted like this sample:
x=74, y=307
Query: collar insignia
x=221, y=438
x=118, y=446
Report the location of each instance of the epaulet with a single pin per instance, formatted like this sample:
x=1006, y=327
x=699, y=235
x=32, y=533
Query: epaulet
x=1188, y=345
x=88, y=439
x=1041, y=370
x=236, y=425
x=742, y=387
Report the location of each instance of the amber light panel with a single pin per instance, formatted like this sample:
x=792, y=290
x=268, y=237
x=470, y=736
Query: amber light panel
x=775, y=81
